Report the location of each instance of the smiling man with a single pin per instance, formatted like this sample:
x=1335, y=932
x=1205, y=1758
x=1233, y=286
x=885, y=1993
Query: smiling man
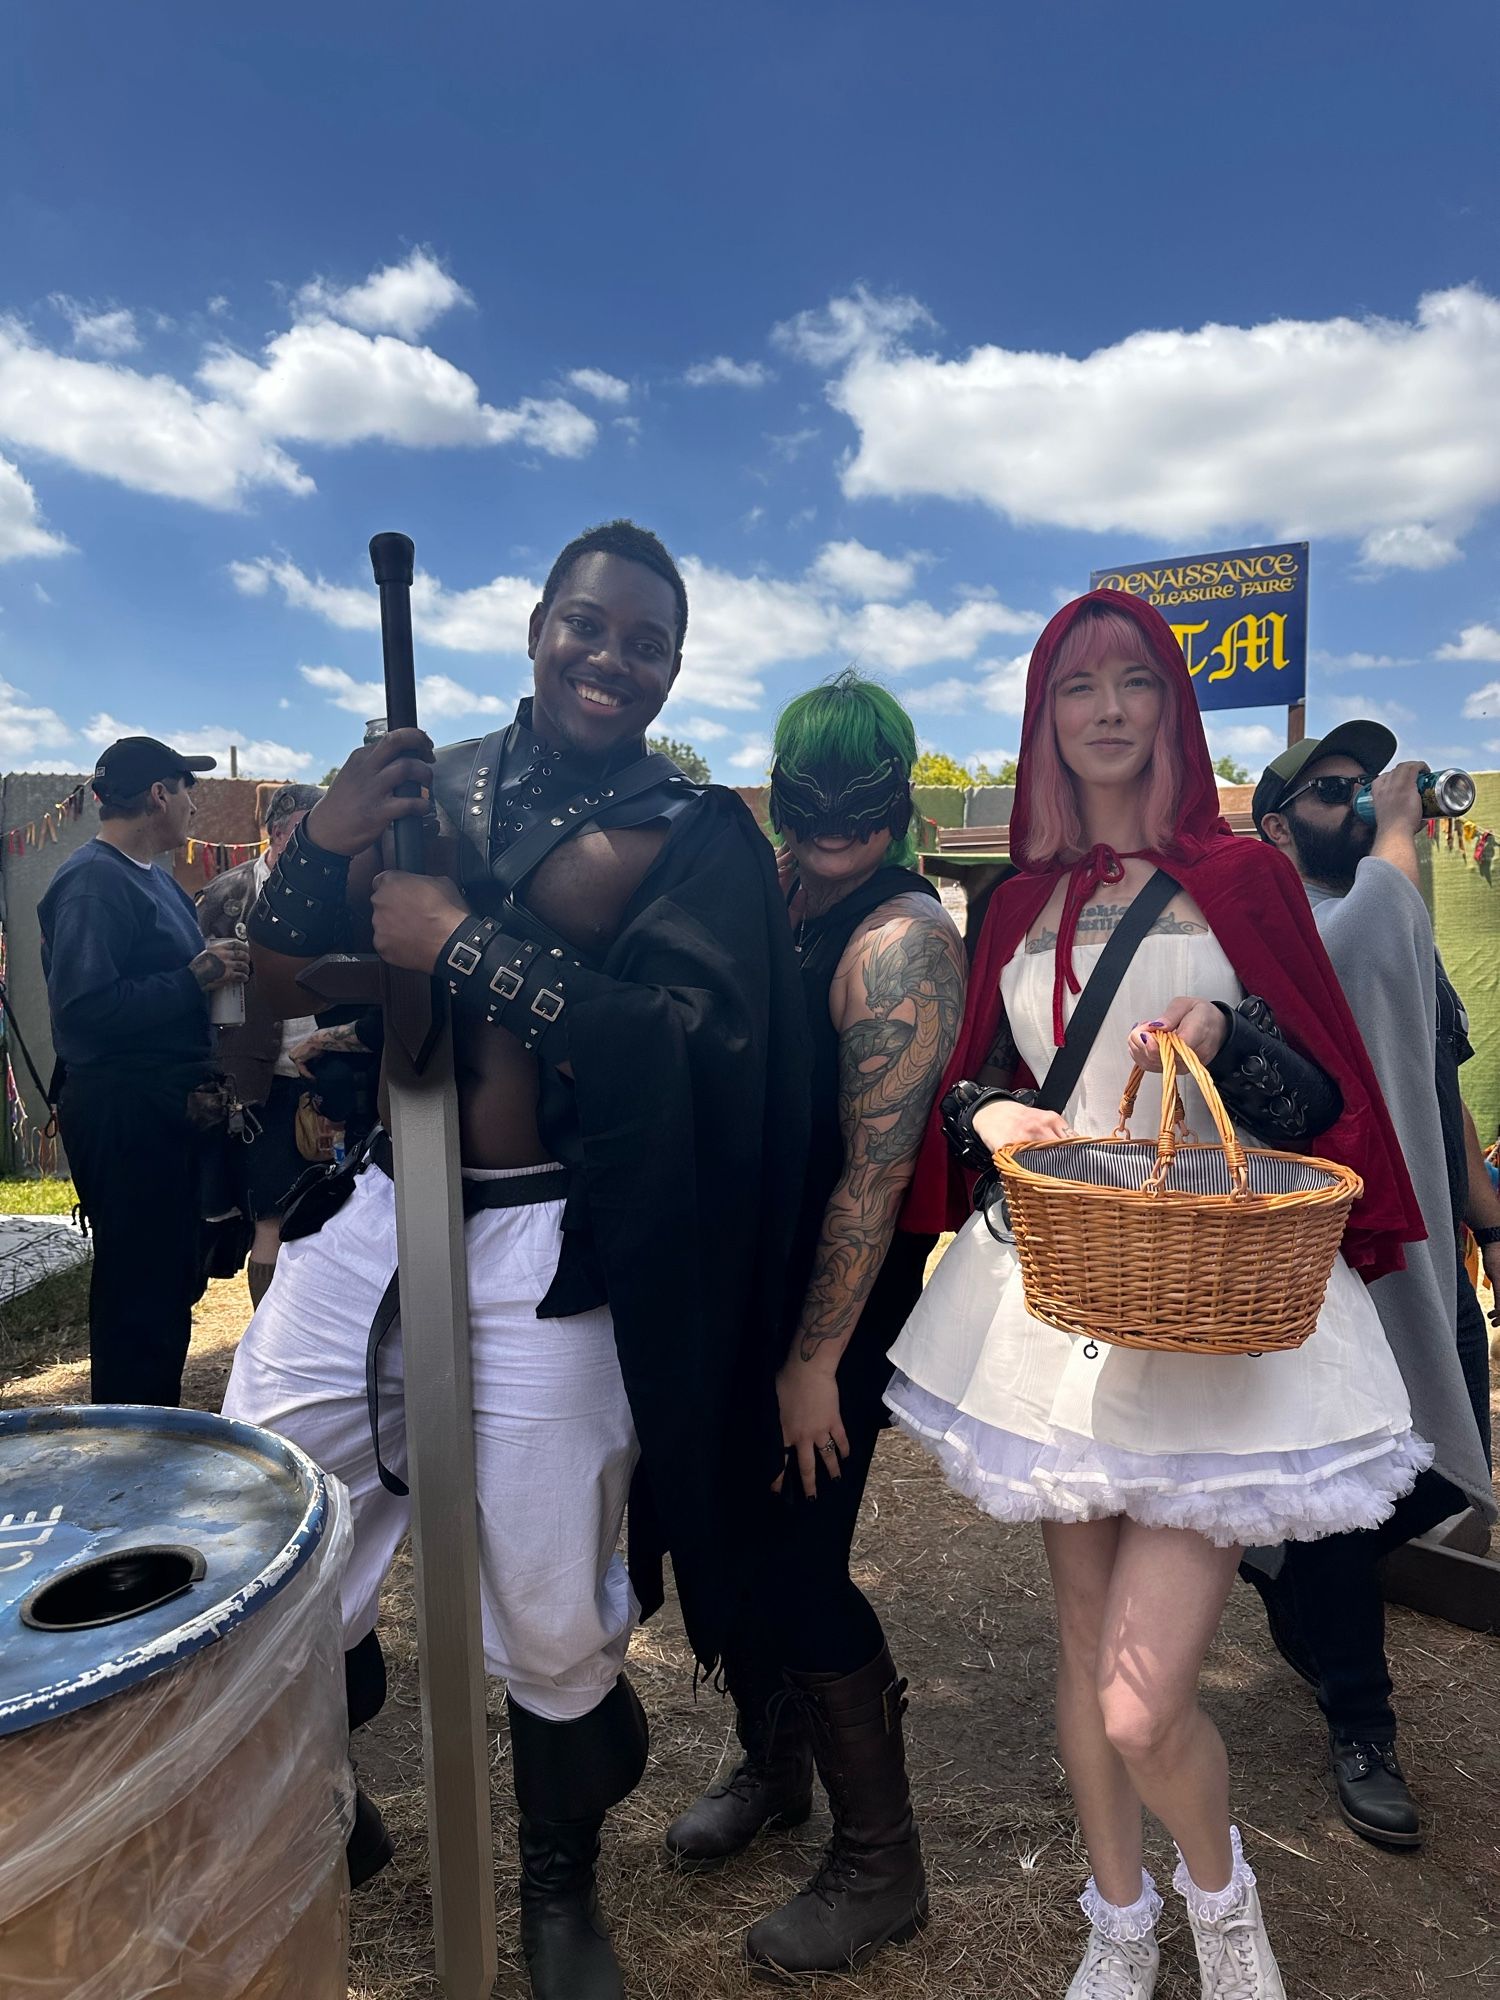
x=632, y=1081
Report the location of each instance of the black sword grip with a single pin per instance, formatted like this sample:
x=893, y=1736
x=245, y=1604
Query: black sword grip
x=393, y=558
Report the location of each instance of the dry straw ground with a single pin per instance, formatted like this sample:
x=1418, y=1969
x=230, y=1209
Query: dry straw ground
x=966, y=1606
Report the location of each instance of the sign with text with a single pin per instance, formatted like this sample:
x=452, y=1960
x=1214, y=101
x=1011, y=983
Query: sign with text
x=1240, y=618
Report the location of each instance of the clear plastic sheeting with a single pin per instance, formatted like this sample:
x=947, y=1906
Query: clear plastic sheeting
x=184, y=1840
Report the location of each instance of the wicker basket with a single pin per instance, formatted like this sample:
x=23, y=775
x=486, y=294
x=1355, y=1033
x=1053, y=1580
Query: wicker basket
x=1174, y=1245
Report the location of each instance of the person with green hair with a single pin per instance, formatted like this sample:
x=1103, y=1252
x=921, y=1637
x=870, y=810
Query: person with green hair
x=812, y=1678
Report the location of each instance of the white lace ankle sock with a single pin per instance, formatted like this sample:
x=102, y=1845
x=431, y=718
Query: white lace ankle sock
x=1125, y=1923
x=1209, y=1906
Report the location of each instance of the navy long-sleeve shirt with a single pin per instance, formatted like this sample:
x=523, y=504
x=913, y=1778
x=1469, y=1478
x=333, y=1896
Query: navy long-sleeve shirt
x=117, y=940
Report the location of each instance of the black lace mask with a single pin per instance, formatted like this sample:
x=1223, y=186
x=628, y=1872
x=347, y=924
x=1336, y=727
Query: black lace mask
x=840, y=803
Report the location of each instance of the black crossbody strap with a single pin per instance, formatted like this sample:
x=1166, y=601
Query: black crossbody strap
x=510, y=867
x=1103, y=985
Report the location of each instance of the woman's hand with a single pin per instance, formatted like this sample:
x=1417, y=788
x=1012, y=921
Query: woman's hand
x=1198, y=1023
x=811, y=1426
x=1007, y=1124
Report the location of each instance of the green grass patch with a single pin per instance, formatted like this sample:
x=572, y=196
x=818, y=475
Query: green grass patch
x=46, y=1324
x=37, y=1197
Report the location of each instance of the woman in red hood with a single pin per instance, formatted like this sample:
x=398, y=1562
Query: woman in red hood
x=1149, y=1471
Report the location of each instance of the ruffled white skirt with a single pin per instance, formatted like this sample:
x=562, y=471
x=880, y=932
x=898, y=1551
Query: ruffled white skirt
x=1034, y=1424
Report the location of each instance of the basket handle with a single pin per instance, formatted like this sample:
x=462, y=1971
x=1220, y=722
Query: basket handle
x=1175, y=1055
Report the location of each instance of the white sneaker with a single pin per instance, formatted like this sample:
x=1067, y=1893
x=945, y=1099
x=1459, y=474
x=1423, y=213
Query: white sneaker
x=1116, y=1970
x=1235, y=1960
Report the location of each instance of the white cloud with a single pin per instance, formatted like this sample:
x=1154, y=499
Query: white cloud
x=604, y=388
x=328, y=384
x=1409, y=546
x=1354, y=707
x=997, y=687
x=438, y=696
x=831, y=334
x=725, y=373
x=740, y=625
x=21, y=530
x=403, y=298
x=853, y=570
x=110, y=333
x=258, y=757
x=1482, y=702
x=994, y=759
x=41, y=596
x=917, y=634
x=146, y=431
x=754, y=755
x=1354, y=663
x=790, y=445
x=954, y=696
x=702, y=726
x=1474, y=642
x=217, y=306
x=491, y=618
x=629, y=427
x=26, y=730
x=1253, y=741
x=1372, y=429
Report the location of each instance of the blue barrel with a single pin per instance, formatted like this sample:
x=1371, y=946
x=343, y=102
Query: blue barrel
x=174, y=1784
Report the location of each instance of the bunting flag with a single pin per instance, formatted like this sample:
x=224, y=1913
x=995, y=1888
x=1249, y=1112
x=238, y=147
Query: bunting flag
x=37, y=832
x=214, y=856
x=1464, y=835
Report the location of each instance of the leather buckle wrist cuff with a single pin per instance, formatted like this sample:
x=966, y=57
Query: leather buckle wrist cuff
x=506, y=981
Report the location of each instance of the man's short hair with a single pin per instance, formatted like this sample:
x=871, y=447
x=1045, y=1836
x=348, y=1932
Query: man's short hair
x=139, y=804
x=621, y=538
x=287, y=800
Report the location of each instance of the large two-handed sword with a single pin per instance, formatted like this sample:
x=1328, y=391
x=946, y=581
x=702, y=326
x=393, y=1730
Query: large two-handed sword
x=438, y=1391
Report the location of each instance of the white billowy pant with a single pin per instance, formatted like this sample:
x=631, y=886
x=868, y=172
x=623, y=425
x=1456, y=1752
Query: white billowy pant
x=554, y=1443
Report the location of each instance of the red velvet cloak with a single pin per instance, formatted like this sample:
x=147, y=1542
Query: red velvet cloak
x=1258, y=910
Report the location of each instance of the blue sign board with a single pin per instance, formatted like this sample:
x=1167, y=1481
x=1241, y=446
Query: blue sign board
x=1240, y=618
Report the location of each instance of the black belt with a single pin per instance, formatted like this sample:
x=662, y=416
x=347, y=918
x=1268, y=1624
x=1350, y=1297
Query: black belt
x=520, y=1190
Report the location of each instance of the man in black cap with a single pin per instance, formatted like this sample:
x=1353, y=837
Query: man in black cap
x=127, y=979
x=1324, y=1600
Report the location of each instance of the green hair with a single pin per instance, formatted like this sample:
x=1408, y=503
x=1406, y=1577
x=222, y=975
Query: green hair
x=853, y=721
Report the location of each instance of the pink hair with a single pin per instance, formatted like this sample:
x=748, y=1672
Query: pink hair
x=1055, y=831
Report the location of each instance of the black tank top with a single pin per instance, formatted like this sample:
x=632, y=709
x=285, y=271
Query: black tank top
x=821, y=945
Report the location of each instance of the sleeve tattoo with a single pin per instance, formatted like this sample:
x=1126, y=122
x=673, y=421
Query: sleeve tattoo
x=891, y=1061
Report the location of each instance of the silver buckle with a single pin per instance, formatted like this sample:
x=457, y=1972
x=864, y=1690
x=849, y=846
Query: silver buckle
x=547, y=1005
x=465, y=958
x=507, y=982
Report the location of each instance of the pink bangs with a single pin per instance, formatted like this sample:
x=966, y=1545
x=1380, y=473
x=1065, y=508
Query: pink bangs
x=1055, y=828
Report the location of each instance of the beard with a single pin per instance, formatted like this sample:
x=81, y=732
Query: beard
x=1331, y=855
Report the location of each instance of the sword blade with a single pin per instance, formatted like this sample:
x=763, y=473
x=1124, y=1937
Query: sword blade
x=445, y=1519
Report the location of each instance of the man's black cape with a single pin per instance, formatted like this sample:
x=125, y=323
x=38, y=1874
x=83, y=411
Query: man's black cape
x=686, y=1121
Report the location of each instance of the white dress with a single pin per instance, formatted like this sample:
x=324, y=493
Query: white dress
x=1036, y=1424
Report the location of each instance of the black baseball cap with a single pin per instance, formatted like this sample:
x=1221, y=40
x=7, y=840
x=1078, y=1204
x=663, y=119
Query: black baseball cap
x=133, y=764
x=1370, y=744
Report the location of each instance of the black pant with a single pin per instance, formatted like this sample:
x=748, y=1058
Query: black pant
x=802, y=1609
x=1331, y=1589
x=135, y=1162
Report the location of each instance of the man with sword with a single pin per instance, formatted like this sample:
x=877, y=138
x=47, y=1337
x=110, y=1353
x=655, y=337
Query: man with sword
x=631, y=1096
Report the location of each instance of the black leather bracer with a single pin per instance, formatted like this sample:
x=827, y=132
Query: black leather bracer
x=303, y=909
x=1279, y=1096
x=525, y=984
x=957, y=1112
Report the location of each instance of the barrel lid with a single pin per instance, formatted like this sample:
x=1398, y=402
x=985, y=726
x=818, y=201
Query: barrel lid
x=84, y=1492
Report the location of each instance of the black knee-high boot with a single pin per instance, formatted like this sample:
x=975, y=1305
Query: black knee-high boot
x=369, y=1847
x=567, y=1776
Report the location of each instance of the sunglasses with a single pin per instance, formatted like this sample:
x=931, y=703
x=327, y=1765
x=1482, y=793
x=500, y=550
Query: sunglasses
x=1327, y=791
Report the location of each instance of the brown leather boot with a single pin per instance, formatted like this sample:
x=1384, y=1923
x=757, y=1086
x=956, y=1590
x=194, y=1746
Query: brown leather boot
x=871, y=1889
x=770, y=1786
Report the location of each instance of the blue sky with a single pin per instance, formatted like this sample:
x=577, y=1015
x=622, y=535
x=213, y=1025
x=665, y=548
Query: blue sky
x=894, y=320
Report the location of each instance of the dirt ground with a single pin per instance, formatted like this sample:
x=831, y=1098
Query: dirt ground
x=966, y=1605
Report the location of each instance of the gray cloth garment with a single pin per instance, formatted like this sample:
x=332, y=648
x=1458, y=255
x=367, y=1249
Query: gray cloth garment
x=1380, y=939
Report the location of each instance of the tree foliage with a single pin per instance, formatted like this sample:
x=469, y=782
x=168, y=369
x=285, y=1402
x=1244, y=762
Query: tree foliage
x=684, y=754
x=936, y=767
x=1231, y=772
